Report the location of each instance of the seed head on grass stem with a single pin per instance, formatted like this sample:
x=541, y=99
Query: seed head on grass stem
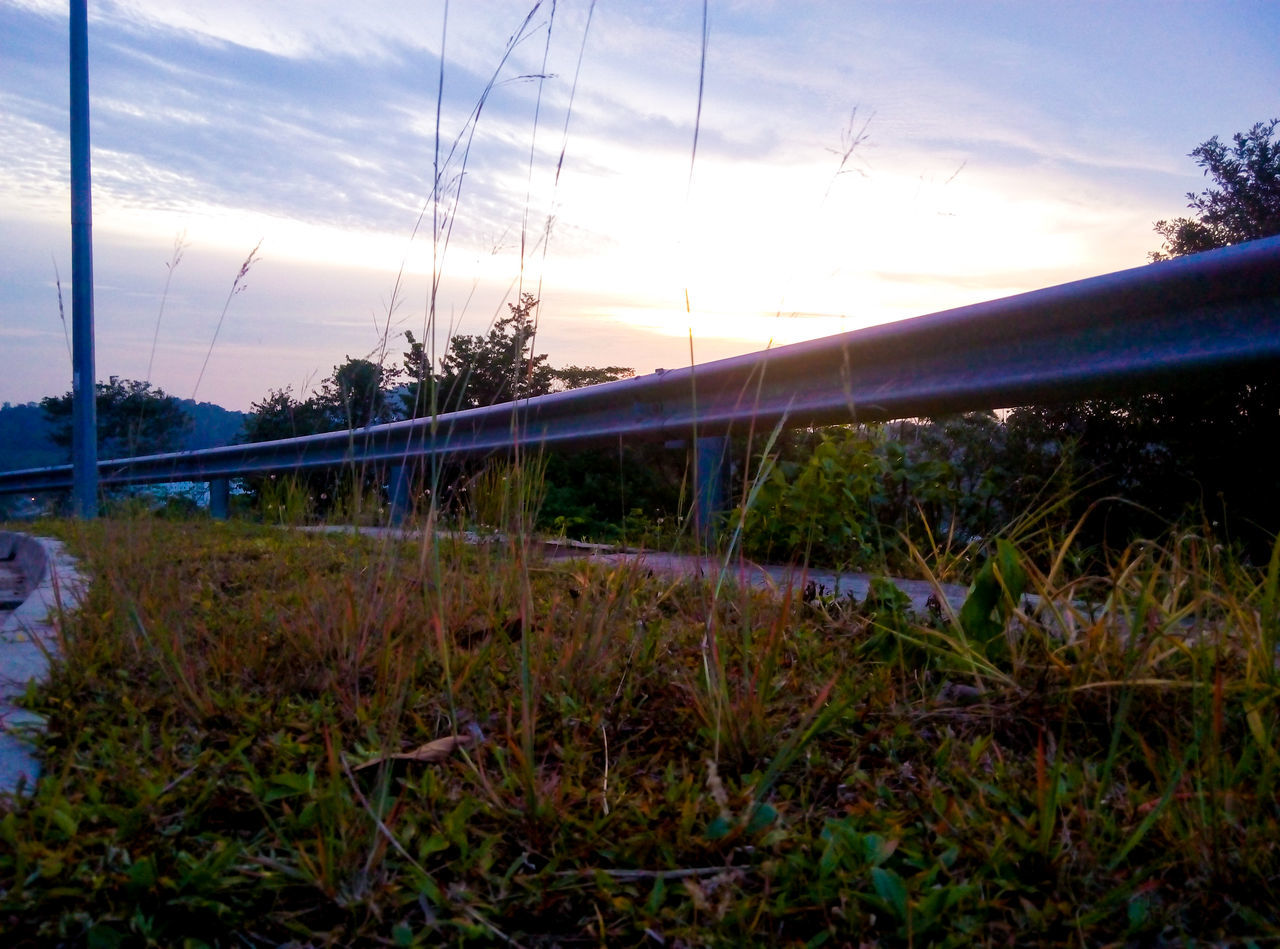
x=237, y=286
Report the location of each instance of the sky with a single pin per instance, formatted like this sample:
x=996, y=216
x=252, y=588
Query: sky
x=855, y=162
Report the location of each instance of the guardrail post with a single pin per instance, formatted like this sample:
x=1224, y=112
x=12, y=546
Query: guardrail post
x=400, y=493
x=220, y=498
x=708, y=501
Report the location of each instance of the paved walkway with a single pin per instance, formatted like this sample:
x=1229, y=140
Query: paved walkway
x=764, y=576
x=36, y=577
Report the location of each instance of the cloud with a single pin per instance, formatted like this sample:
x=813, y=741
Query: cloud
x=313, y=125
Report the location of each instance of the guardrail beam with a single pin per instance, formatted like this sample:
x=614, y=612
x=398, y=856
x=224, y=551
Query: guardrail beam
x=1214, y=315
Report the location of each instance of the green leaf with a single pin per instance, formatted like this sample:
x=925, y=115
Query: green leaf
x=891, y=888
x=877, y=850
x=718, y=829
x=102, y=936
x=997, y=588
x=288, y=785
x=656, y=896
x=68, y=824
x=143, y=873
x=762, y=817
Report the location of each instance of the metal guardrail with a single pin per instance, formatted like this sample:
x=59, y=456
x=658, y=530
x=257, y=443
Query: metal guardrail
x=1120, y=333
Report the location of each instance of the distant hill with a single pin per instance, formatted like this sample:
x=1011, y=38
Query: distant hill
x=211, y=425
x=25, y=442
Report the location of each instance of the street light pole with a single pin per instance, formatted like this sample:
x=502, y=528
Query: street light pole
x=84, y=425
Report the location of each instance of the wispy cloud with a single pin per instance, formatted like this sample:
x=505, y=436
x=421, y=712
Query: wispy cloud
x=311, y=124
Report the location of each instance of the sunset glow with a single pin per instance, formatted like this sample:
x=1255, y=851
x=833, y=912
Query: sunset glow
x=855, y=164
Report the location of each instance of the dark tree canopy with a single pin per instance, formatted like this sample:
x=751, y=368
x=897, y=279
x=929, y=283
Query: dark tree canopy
x=475, y=371
x=488, y=370
x=280, y=415
x=1191, y=448
x=357, y=395
x=500, y=367
x=578, y=377
x=133, y=419
x=418, y=398
x=1244, y=203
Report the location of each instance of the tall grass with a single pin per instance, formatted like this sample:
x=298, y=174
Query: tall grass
x=264, y=736
x=547, y=761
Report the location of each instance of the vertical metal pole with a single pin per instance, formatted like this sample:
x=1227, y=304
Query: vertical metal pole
x=220, y=498
x=709, y=499
x=84, y=413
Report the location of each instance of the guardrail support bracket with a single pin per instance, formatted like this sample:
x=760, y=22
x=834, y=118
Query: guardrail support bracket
x=709, y=465
x=400, y=493
x=220, y=498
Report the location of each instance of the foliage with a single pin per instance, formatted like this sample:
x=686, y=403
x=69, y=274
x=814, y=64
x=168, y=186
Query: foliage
x=954, y=474
x=821, y=508
x=578, y=377
x=863, y=496
x=357, y=395
x=133, y=419
x=488, y=359
x=992, y=600
x=1164, y=454
x=562, y=753
x=1185, y=450
x=499, y=367
x=26, y=442
x=418, y=400
x=626, y=494
x=486, y=370
x=1244, y=205
x=280, y=415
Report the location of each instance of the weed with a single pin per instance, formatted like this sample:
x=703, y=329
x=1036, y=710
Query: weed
x=270, y=736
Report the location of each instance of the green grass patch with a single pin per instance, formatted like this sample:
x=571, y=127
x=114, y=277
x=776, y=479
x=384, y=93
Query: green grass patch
x=259, y=737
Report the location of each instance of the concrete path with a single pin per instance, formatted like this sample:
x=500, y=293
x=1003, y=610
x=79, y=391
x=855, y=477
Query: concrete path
x=766, y=576
x=36, y=579
x=745, y=572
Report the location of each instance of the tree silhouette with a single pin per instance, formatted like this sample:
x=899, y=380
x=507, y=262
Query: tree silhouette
x=499, y=367
x=1185, y=449
x=133, y=419
x=1244, y=205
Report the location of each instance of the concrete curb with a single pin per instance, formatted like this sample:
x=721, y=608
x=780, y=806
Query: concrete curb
x=28, y=637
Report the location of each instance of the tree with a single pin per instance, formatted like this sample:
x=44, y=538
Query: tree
x=1172, y=451
x=133, y=419
x=479, y=370
x=418, y=398
x=578, y=377
x=500, y=367
x=356, y=394
x=1244, y=205
x=280, y=415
